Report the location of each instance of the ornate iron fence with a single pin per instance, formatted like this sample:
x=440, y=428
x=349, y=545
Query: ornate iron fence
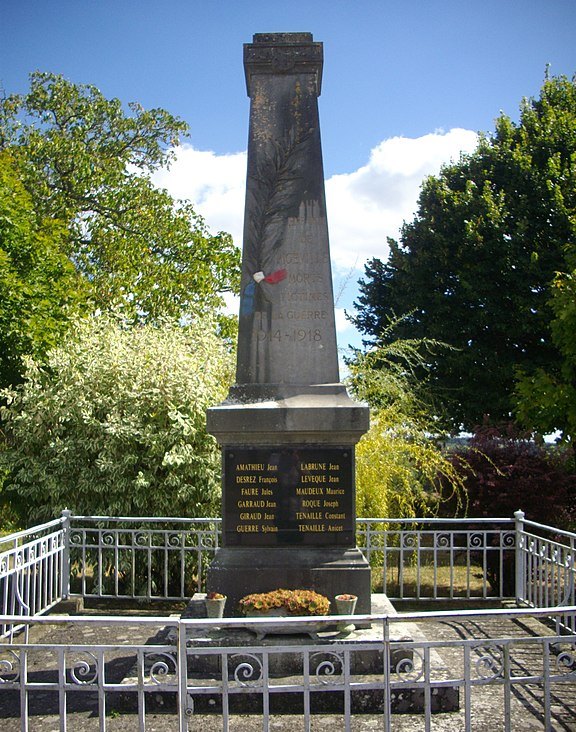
x=484, y=669
x=441, y=559
x=145, y=558
x=546, y=568
x=33, y=571
x=167, y=558
x=189, y=672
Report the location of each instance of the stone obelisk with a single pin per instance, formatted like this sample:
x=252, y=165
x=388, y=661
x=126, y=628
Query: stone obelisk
x=288, y=427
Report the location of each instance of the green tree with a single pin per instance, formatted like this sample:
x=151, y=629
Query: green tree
x=114, y=422
x=39, y=286
x=546, y=398
x=400, y=467
x=88, y=163
x=473, y=269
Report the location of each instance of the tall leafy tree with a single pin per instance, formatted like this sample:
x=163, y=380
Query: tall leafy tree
x=87, y=161
x=546, y=398
x=400, y=467
x=474, y=268
x=39, y=286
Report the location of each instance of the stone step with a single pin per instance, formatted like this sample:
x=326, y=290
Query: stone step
x=286, y=666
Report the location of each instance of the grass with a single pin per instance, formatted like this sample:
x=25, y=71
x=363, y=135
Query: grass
x=455, y=581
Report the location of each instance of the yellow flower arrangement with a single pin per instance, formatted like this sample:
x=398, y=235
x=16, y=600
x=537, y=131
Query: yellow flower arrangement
x=293, y=602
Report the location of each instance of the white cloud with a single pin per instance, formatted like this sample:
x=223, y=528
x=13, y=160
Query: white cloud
x=364, y=206
x=342, y=323
x=371, y=203
x=215, y=184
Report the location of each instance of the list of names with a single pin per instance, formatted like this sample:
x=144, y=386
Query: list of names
x=288, y=496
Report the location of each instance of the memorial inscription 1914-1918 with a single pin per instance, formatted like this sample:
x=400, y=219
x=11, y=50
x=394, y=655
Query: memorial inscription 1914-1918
x=288, y=496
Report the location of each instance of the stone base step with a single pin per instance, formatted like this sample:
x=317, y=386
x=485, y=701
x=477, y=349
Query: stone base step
x=286, y=667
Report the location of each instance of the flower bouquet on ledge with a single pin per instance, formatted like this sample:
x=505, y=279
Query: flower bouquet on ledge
x=285, y=603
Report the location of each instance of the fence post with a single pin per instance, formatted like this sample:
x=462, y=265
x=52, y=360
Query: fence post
x=387, y=651
x=520, y=557
x=65, y=578
x=185, y=703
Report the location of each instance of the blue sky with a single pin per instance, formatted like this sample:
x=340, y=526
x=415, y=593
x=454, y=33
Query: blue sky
x=406, y=86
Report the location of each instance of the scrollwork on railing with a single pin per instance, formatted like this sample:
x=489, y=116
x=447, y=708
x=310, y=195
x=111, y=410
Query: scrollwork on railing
x=207, y=541
x=566, y=662
x=165, y=664
x=75, y=538
x=410, y=668
x=142, y=539
x=376, y=540
x=508, y=539
x=477, y=540
x=175, y=540
x=189, y=708
x=328, y=671
x=489, y=664
x=9, y=668
x=410, y=540
x=108, y=538
x=249, y=672
x=442, y=541
x=85, y=672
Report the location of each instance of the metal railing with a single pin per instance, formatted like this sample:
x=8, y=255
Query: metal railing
x=33, y=571
x=414, y=559
x=145, y=558
x=167, y=559
x=441, y=559
x=546, y=567
x=483, y=670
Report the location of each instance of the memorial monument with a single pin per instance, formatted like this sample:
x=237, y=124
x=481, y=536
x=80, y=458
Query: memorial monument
x=288, y=427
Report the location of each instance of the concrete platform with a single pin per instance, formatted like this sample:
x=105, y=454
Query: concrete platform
x=285, y=653
x=487, y=707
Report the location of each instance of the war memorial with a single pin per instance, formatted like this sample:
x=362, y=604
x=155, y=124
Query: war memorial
x=288, y=427
x=78, y=649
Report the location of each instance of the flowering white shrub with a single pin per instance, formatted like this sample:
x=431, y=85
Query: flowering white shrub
x=113, y=423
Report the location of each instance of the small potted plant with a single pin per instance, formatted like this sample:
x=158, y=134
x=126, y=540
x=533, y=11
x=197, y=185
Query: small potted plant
x=215, y=603
x=345, y=605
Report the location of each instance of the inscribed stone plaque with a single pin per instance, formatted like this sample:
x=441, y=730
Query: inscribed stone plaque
x=288, y=496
